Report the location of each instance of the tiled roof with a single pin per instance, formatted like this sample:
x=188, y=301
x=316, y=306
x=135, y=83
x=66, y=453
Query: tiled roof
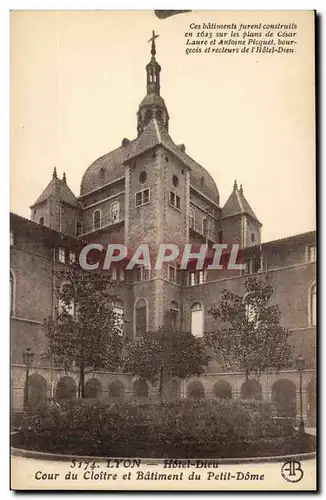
x=58, y=189
x=237, y=205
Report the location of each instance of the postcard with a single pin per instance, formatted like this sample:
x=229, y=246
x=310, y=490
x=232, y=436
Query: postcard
x=163, y=297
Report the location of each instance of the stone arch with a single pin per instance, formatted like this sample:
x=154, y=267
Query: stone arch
x=222, y=390
x=140, y=388
x=93, y=388
x=195, y=390
x=251, y=389
x=37, y=389
x=116, y=390
x=66, y=389
x=285, y=398
x=311, y=396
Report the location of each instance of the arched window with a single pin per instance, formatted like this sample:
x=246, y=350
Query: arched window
x=97, y=219
x=191, y=217
x=118, y=316
x=115, y=211
x=41, y=221
x=313, y=305
x=197, y=320
x=140, y=318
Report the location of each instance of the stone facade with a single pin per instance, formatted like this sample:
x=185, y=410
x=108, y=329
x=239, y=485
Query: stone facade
x=150, y=191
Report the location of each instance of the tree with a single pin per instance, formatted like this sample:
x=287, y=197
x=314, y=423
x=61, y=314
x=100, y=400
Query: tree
x=85, y=332
x=250, y=336
x=164, y=354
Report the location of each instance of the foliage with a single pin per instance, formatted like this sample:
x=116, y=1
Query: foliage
x=85, y=331
x=249, y=335
x=164, y=354
x=206, y=428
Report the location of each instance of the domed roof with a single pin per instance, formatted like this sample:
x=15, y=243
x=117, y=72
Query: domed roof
x=201, y=180
x=106, y=169
x=111, y=166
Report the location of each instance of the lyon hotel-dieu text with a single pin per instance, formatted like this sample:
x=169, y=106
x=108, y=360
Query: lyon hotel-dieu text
x=149, y=190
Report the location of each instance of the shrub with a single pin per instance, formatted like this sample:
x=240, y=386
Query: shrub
x=161, y=429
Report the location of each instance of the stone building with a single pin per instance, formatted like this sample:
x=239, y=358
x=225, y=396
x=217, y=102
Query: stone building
x=149, y=190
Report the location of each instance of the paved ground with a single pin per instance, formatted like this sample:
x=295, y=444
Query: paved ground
x=29, y=473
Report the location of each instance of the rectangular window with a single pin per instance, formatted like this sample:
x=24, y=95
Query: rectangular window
x=142, y=197
x=220, y=237
x=175, y=200
x=192, y=279
x=172, y=274
x=61, y=255
x=312, y=252
x=202, y=277
x=143, y=273
x=72, y=257
x=114, y=274
x=12, y=238
x=79, y=228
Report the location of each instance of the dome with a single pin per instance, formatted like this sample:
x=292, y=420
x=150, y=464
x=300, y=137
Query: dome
x=200, y=179
x=106, y=169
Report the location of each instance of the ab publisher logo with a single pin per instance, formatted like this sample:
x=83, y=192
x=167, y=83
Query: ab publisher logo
x=291, y=471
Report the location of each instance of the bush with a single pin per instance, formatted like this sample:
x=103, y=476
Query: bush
x=216, y=428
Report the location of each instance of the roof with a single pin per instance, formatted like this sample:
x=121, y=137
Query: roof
x=111, y=166
x=237, y=205
x=36, y=230
x=152, y=99
x=59, y=189
x=105, y=169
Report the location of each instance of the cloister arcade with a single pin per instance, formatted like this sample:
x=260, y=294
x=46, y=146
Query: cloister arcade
x=281, y=389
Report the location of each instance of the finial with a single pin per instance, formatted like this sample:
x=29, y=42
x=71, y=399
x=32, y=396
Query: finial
x=54, y=175
x=235, y=185
x=64, y=180
x=152, y=39
x=241, y=189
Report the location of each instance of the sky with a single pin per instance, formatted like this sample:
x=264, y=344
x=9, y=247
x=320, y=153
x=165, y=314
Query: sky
x=77, y=78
